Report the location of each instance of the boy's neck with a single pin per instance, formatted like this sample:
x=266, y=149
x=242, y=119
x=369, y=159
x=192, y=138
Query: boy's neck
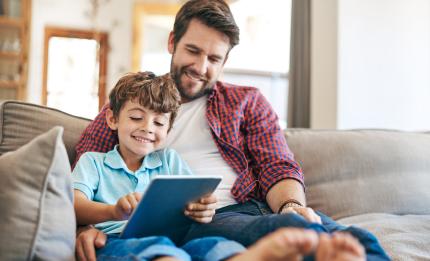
x=132, y=163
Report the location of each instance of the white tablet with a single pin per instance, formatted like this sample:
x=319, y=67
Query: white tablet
x=161, y=209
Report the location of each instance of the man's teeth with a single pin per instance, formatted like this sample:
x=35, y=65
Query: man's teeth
x=144, y=140
x=193, y=76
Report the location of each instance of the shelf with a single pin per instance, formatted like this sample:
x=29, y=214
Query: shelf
x=9, y=84
x=11, y=21
x=10, y=55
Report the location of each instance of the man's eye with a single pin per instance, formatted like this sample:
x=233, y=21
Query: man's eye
x=214, y=60
x=192, y=51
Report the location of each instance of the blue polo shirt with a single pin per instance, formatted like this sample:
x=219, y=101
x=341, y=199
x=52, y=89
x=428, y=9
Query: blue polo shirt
x=104, y=177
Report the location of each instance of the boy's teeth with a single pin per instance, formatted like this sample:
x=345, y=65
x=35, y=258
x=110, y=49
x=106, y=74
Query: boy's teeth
x=142, y=139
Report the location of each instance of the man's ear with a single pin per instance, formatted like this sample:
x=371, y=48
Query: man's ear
x=171, y=42
x=111, y=120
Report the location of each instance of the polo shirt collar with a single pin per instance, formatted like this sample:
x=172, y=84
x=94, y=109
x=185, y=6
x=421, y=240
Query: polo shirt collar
x=114, y=160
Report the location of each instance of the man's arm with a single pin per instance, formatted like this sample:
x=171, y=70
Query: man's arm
x=283, y=191
x=281, y=178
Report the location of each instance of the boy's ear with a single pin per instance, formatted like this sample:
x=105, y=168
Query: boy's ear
x=111, y=120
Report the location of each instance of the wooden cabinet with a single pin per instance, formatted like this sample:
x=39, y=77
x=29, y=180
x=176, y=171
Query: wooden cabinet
x=14, y=44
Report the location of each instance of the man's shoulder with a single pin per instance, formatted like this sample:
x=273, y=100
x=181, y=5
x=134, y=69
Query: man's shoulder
x=234, y=88
x=233, y=93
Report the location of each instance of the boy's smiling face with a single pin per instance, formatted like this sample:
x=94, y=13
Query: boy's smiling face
x=140, y=130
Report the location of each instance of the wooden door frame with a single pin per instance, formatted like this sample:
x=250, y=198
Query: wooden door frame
x=141, y=10
x=100, y=37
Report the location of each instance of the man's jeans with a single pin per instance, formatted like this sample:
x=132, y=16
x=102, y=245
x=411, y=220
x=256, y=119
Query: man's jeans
x=148, y=248
x=248, y=222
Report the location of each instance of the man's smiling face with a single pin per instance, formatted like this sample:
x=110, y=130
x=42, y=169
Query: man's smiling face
x=197, y=59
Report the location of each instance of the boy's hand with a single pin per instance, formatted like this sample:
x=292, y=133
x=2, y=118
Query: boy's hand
x=202, y=210
x=125, y=206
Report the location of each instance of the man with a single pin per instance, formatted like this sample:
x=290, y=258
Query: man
x=231, y=131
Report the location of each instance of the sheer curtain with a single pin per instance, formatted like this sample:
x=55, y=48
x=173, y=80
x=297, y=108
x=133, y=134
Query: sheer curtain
x=299, y=75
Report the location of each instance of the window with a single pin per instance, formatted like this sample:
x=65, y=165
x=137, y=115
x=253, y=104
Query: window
x=262, y=58
x=74, y=71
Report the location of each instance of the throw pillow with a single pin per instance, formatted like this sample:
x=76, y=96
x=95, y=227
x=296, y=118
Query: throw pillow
x=37, y=220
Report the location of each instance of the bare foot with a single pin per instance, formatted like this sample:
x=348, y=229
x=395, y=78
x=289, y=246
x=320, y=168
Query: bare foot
x=166, y=258
x=339, y=247
x=283, y=244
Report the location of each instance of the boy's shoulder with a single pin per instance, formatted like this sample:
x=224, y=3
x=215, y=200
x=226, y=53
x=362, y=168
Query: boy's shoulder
x=166, y=153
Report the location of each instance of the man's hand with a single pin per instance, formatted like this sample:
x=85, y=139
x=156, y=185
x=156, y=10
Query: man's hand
x=125, y=206
x=87, y=240
x=202, y=210
x=308, y=213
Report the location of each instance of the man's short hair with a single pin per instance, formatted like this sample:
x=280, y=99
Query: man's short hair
x=157, y=93
x=213, y=13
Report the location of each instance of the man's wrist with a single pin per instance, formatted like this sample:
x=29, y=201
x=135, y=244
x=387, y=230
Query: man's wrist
x=291, y=203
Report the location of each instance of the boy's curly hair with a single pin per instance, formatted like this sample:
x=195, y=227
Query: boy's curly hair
x=157, y=93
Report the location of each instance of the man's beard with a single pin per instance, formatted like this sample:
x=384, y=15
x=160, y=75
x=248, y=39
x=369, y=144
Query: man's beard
x=177, y=73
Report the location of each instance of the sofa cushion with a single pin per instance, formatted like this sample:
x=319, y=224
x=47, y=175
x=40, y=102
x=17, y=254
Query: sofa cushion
x=403, y=237
x=364, y=171
x=20, y=122
x=36, y=201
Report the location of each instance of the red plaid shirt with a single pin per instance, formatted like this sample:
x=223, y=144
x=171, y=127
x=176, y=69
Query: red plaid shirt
x=245, y=130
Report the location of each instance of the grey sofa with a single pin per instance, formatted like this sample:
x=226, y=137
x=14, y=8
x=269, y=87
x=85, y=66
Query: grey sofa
x=375, y=179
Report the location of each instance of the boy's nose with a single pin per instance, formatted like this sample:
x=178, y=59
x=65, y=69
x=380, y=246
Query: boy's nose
x=147, y=127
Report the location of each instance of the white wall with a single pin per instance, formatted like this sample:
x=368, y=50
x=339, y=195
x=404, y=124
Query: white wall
x=115, y=17
x=384, y=64
x=371, y=64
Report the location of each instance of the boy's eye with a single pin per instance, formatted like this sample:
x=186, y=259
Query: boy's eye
x=157, y=123
x=135, y=118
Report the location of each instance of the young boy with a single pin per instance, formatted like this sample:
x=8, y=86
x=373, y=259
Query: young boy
x=109, y=185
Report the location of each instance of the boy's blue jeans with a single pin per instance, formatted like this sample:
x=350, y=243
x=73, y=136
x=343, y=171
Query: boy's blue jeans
x=148, y=248
x=250, y=221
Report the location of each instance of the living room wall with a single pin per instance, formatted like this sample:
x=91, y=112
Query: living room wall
x=384, y=64
x=371, y=64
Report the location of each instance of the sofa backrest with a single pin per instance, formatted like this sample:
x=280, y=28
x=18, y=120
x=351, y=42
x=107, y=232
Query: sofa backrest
x=20, y=122
x=364, y=171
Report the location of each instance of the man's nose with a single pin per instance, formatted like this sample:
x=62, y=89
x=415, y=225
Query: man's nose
x=201, y=65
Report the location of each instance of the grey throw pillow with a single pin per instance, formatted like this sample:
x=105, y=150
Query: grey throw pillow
x=37, y=220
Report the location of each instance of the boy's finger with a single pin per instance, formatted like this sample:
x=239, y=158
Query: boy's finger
x=132, y=201
x=124, y=205
x=138, y=196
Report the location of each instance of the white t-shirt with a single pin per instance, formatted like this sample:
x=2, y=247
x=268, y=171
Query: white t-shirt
x=191, y=137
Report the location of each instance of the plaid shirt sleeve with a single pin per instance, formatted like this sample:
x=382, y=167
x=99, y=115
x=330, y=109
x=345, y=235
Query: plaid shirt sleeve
x=96, y=137
x=268, y=147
